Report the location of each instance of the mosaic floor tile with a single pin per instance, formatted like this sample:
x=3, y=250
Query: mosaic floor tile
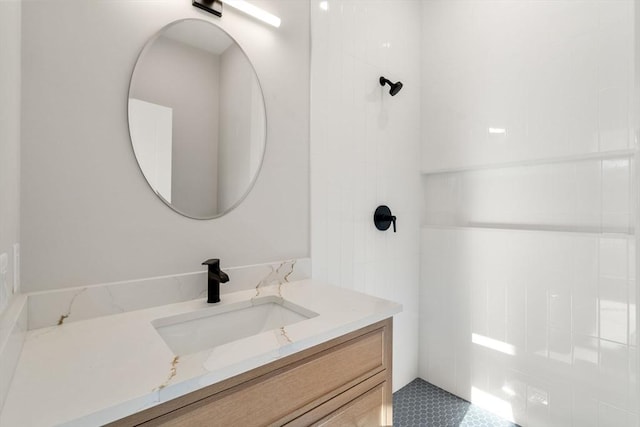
x=420, y=403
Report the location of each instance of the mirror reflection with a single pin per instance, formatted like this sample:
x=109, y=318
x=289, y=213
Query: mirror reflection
x=197, y=119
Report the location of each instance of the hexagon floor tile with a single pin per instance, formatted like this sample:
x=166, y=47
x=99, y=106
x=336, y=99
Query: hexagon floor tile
x=420, y=403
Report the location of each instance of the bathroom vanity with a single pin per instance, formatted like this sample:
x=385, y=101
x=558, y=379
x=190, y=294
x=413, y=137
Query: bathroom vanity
x=192, y=363
x=345, y=381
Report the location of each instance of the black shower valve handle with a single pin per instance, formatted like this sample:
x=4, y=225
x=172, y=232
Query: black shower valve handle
x=391, y=219
x=383, y=219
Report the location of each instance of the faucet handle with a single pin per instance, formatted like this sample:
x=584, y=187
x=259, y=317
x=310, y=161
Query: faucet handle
x=214, y=269
x=212, y=263
x=383, y=219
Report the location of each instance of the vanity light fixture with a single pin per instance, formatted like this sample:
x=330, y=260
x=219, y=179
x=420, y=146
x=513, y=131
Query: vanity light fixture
x=254, y=11
x=211, y=6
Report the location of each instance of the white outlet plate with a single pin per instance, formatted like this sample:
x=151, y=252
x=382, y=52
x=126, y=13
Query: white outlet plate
x=16, y=268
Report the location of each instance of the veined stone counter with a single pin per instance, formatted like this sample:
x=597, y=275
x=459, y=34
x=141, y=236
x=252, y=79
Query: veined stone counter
x=98, y=370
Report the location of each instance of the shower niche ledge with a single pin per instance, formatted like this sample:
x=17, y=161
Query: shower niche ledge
x=586, y=194
x=548, y=228
x=582, y=157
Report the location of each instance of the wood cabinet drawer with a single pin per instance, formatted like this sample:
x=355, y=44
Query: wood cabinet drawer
x=284, y=394
x=367, y=404
x=367, y=410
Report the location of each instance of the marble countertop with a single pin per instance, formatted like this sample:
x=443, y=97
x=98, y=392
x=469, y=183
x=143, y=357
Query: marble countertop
x=95, y=371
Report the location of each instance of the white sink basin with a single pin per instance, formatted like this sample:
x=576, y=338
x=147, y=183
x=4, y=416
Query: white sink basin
x=204, y=329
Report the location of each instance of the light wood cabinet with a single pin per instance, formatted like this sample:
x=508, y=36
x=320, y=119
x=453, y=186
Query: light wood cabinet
x=343, y=382
x=363, y=410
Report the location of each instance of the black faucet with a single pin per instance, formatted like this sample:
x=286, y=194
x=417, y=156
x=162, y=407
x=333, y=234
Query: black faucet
x=215, y=277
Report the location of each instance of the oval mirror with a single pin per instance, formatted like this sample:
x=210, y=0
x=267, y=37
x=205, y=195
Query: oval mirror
x=197, y=118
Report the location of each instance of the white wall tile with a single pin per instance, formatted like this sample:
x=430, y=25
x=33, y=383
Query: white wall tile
x=515, y=392
x=616, y=194
x=537, y=317
x=614, y=309
x=560, y=348
x=538, y=401
x=613, y=105
x=633, y=331
x=560, y=307
x=611, y=416
x=585, y=363
x=614, y=257
x=561, y=404
x=585, y=408
x=555, y=74
x=584, y=304
x=365, y=148
x=554, y=296
x=633, y=380
x=614, y=374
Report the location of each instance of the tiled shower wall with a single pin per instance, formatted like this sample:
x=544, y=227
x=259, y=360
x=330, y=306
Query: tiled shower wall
x=365, y=151
x=528, y=282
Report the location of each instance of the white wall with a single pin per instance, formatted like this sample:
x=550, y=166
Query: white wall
x=88, y=215
x=528, y=294
x=365, y=148
x=9, y=133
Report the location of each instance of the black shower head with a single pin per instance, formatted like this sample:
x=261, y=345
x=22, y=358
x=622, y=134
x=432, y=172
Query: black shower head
x=395, y=87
